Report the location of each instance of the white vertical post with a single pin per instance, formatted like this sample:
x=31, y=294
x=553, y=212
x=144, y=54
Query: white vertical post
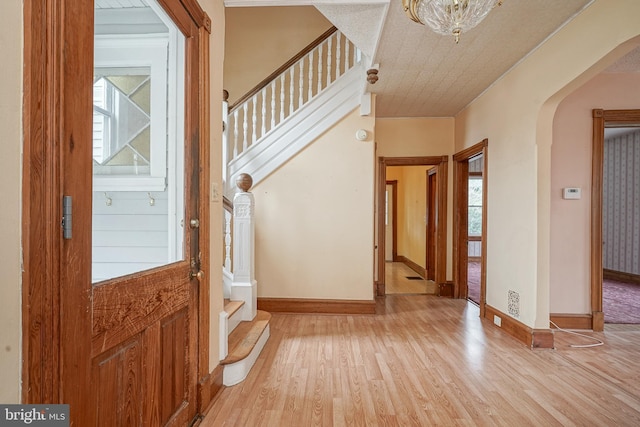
x=329, y=53
x=227, y=240
x=301, y=84
x=338, y=63
x=273, y=104
x=319, y=68
x=244, y=287
x=245, y=125
x=226, y=149
x=235, y=134
x=282, y=97
x=254, y=119
x=347, y=58
x=263, y=119
x=291, y=88
x=310, y=94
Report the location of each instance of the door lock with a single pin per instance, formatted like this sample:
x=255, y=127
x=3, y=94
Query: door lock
x=194, y=223
x=197, y=275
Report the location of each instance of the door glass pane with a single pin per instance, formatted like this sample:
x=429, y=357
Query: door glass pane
x=475, y=206
x=138, y=139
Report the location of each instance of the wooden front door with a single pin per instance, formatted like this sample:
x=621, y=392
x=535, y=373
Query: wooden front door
x=119, y=277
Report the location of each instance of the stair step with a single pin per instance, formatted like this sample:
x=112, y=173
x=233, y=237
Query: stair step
x=231, y=307
x=245, y=336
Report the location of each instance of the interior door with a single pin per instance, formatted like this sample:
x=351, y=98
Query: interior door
x=130, y=252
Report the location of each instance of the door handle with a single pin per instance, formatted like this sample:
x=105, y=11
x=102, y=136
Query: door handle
x=197, y=275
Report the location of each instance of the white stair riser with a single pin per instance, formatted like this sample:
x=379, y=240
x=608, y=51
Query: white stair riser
x=237, y=372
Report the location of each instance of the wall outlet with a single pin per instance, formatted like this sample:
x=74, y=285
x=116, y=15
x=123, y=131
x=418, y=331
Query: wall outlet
x=497, y=320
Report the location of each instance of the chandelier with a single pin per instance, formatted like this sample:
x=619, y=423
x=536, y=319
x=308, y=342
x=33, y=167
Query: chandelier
x=449, y=16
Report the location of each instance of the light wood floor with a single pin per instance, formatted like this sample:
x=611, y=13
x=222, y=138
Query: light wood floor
x=396, y=281
x=428, y=361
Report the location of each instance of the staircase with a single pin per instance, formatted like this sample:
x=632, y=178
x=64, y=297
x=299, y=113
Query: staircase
x=292, y=107
x=244, y=341
x=268, y=126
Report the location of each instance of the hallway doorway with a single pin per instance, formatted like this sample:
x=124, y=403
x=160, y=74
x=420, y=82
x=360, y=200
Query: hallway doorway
x=470, y=197
x=410, y=218
x=614, y=236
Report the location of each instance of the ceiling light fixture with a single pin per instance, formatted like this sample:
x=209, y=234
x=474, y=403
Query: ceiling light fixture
x=449, y=16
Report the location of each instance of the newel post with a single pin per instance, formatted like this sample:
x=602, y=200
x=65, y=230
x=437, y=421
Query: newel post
x=244, y=287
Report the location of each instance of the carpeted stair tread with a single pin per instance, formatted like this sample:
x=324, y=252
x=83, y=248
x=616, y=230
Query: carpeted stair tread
x=245, y=336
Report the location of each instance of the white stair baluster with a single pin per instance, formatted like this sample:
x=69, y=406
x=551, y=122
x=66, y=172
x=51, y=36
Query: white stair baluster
x=263, y=117
x=338, y=63
x=347, y=59
x=235, y=133
x=291, y=88
x=319, y=68
x=282, y=97
x=254, y=119
x=310, y=94
x=227, y=240
x=273, y=104
x=245, y=125
x=301, y=84
x=329, y=53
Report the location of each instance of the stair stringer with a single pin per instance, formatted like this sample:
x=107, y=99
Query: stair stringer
x=300, y=129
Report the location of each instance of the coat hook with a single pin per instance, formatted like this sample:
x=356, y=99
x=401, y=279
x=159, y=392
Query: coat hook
x=107, y=200
x=152, y=201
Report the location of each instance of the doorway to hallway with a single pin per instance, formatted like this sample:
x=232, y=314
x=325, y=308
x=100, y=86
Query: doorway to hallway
x=410, y=218
x=470, y=207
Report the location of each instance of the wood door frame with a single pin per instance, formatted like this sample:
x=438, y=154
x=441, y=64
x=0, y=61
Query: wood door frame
x=394, y=214
x=601, y=118
x=53, y=54
x=441, y=163
x=431, y=208
x=460, y=215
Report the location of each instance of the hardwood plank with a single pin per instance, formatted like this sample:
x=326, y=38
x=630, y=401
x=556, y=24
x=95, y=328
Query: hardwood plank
x=425, y=360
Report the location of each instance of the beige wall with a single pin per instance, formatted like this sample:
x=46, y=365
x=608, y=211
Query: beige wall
x=10, y=189
x=412, y=209
x=414, y=137
x=314, y=219
x=571, y=167
x=261, y=39
x=516, y=115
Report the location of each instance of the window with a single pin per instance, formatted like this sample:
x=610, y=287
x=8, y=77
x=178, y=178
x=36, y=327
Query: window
x=130, y=116
x=475, y=206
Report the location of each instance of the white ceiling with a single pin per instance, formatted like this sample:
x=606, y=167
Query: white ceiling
x=423, y=74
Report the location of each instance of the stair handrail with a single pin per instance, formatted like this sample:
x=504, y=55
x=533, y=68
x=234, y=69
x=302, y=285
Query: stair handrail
x=284, y=67
x=301, y=79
